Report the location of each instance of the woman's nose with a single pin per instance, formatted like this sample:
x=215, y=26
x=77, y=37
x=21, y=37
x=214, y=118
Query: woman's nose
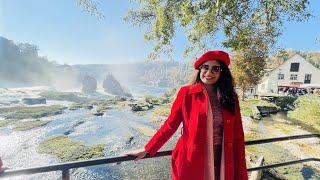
x=208, y=72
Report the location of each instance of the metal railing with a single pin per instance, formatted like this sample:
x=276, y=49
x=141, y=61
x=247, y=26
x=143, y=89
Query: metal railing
x=65, y=167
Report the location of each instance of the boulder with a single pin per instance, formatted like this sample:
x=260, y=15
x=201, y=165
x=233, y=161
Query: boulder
x=89, y=84
x=112, y=86
x=140, y=106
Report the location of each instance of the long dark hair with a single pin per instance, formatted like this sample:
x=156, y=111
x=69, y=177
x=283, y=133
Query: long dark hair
x=225, y=86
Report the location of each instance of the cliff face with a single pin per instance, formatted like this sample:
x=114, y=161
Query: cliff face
x=112, y=86
x=89, y=84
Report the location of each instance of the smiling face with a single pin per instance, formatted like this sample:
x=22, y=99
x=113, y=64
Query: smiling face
x=210, y=72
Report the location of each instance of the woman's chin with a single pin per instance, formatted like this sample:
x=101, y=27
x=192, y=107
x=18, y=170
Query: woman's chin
x=209, y=82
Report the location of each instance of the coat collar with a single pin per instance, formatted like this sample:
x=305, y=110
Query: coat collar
x=196, y=88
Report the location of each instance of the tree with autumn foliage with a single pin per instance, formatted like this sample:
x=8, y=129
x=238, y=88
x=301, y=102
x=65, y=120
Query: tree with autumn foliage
x=247, y=69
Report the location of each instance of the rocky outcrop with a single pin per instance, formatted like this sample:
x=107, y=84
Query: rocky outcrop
x=262, y=111
x=140, y=107
x=32, y=101
x=112, y=86
x=89, y=84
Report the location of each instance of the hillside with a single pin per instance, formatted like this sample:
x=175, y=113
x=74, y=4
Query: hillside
x=22, y=66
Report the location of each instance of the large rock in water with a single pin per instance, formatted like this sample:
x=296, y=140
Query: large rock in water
x=32, y=101
x=112, y=86
x=89, y=84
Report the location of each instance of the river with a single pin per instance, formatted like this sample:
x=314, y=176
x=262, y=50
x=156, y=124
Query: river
x=19, y=149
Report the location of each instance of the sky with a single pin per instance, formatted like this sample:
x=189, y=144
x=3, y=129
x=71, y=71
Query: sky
x=67, y=35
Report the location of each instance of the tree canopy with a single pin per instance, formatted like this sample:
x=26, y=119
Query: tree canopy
x=250, y=28
x=91, y=7
x=244, y=23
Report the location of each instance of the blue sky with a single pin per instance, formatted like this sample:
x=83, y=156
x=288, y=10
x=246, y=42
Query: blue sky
x=65, y=34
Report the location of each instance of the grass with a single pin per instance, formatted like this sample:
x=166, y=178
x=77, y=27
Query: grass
x=273, y=153
x=4, y=123
x=162, y=111
x=252, y=135
x=145, y=130
x=307, y=111
x=22, y=112
x=246, y=105
x=152, y=99
x=27, y=125
x=70, y=150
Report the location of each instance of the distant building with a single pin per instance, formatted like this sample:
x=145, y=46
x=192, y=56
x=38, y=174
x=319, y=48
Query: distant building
x=295, y=72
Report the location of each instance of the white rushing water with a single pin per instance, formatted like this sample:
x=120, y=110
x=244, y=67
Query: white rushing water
x=19, y=149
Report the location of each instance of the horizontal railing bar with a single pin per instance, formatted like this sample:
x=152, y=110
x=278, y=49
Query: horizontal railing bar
x=283, y=164
x=77, y=164
x=100, y=161
x=269, y=140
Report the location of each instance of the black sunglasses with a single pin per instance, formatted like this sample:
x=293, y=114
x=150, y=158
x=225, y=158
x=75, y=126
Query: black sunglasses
x=214, y=69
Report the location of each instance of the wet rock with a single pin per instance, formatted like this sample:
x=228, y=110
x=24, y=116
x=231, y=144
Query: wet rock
x=64, y=96
x=69, y=131
x=141, y=107
x=129, y=140
x=76, y=106
x=32, y=101
x=98, y=114
x=136, y=107
x=73, y=126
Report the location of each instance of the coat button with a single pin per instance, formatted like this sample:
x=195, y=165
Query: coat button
x=228, y=121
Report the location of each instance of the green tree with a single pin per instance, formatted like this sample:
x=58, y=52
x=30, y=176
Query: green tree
x=251, y=28
x=238, y=20
x=91, y=7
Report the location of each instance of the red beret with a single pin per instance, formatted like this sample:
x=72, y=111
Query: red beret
x=212, y=55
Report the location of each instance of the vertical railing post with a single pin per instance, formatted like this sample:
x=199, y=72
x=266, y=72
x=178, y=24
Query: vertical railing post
x=65, y=174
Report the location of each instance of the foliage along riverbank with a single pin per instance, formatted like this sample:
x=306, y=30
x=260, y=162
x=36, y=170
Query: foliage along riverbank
x=307, y=112
x=303, y=119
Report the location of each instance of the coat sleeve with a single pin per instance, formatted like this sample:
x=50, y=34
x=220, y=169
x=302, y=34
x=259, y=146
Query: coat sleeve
x=240, y=168
x=169, y=127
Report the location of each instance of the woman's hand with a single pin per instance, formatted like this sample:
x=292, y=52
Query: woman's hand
x=2, y=168
x=139, y=153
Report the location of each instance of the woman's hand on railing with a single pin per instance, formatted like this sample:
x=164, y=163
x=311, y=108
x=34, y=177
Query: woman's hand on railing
x=139, y=153
x=2, y=168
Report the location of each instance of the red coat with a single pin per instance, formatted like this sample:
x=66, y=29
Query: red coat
x=190, y=107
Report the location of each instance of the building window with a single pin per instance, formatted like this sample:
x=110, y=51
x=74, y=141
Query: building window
x=307, y=79
x=294, y=67
x=280, y=76
x=293, y=77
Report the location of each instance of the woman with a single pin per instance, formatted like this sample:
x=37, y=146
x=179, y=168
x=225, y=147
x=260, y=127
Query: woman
x=212, y=143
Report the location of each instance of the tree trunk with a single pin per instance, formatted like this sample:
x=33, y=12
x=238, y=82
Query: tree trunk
x=242, y=95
